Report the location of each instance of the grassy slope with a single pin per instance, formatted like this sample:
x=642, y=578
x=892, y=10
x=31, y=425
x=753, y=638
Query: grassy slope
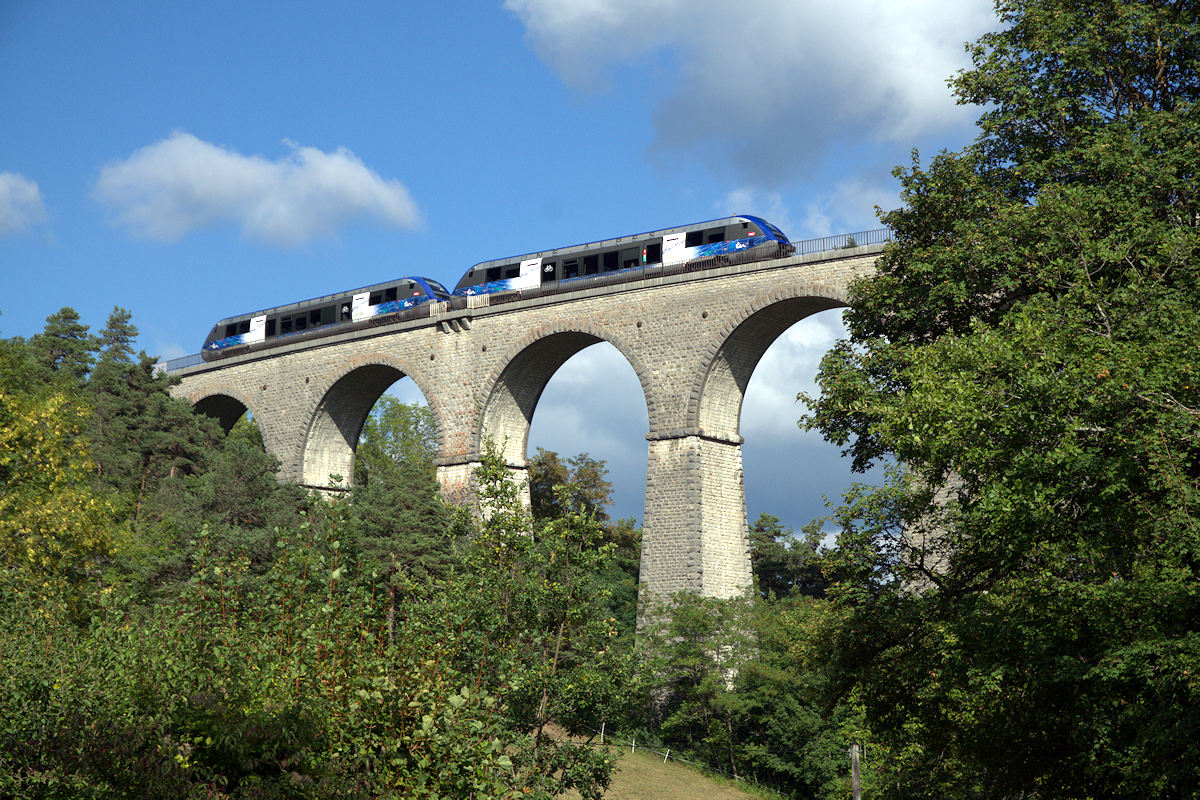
x=644, y=776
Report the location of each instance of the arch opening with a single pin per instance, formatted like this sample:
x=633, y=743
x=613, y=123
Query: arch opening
x=594, y=405
x=719, y=409
x=226, y=410
x=509, y=410
x=337, y=424
x=599, y=384
x=787, y=471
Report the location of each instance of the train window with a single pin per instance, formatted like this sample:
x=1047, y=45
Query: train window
x=346, y=312
x=610, y=260
x=231, y=330
x=285, y=325
x=570, y=267
x=714, y=235
x=654, y=253
x=301, y=322
x=389, y=293
x=591, y=265
x=271, y=327
x=549, y=272
x=244, y=326
x=631, y=257
x=376, y=298
x=493, y=273
x=512, y=271
x=328, y=315
x=694, y=239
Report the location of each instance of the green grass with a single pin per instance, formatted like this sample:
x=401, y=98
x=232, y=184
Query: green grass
x=644, y=776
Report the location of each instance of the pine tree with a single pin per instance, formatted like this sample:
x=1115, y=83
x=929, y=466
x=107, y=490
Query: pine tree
x=64, y=348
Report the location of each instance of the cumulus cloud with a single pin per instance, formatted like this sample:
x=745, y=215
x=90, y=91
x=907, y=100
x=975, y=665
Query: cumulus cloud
x=21, y=204
x=181, y=184
x=770, y=83
x=747, y=200
x=789, y=366
x=850, y=205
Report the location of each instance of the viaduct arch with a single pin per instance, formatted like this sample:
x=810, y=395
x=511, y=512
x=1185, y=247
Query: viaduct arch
x=692, y=339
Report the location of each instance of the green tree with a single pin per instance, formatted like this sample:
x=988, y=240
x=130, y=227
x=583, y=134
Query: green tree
x=580, y=482
x=290, y=683
x=731, y=683
x=586, y=476
x=64, y=347
x=395, y=433
x=696, y=647
x=782, y=562
x=1021, y=599
x=140, y=434
x=287, y=688
x=55, y=529
x=548, y=646
x=397, y=523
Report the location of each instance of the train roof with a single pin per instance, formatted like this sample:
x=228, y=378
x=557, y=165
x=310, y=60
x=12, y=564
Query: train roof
x=327, y=298
x=606, y=243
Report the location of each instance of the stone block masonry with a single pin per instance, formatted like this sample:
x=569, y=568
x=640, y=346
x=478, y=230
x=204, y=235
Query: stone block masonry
x=692, y=339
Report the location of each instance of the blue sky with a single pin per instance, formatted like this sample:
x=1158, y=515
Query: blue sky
x=193, y=160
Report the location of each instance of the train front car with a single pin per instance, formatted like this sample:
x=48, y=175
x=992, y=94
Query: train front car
x=234, y=335
x=702, y=244
x=381, y=300
x=310, y=319
x=744, y=239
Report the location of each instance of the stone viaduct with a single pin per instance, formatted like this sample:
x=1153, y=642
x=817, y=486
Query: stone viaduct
x=693, y=339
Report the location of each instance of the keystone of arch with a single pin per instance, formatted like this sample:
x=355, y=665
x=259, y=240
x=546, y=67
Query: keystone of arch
x=715, y=399
x=347, y=396
x=513, y=389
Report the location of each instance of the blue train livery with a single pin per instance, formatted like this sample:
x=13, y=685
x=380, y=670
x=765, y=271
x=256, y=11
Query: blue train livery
x=727, y=240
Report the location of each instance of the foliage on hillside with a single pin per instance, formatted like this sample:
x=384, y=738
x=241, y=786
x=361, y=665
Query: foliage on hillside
x=1030, y=345
x=174, y=622
x=1013, y=615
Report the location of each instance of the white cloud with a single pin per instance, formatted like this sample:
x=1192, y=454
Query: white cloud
x=770, y=83
x=747, y=200
x=21, y=204
x=789, y=366
x=181, y=184
x=849, y=206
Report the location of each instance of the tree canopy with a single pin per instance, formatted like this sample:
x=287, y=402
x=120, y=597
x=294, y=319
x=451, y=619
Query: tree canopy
x=1028, y=351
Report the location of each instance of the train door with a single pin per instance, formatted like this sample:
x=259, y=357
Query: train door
x=673, y=250
x=528, y=277
x=258, y=329
x=360, y=306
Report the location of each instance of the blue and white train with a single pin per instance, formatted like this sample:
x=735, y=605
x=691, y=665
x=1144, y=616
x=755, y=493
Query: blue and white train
x=320, y=316
x=717, y=242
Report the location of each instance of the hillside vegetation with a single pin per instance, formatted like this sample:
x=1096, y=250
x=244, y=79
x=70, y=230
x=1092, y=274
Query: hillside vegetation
x=1014, y=613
